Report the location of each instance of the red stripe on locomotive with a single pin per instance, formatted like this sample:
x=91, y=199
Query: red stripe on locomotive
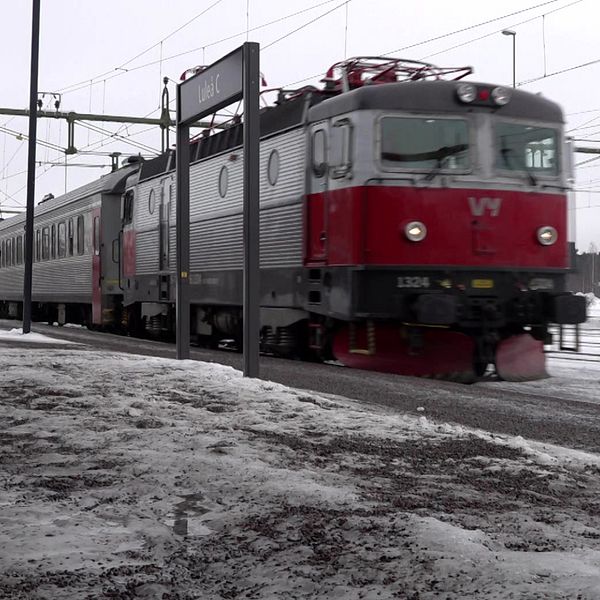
x=476, y=227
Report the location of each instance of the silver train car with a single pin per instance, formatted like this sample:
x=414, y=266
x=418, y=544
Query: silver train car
x=104, y=254
x=75, y=255
x=216, y=244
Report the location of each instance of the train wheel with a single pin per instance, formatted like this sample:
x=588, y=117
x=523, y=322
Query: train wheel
x=422, y=352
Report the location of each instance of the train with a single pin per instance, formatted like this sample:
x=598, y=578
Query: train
x=411, y=221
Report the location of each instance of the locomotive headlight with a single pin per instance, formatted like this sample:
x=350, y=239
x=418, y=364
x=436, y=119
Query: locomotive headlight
x=466, y=92
x=501, y=96
x=415, y=231
x=547, y=235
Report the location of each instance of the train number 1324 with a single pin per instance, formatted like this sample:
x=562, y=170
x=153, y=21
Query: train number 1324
x=413, y=282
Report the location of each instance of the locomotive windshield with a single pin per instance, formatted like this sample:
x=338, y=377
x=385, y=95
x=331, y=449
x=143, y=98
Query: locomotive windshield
x=526, y=149
x=422, y=143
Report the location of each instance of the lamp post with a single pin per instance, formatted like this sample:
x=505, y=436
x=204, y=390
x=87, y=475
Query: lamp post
x=514, y=37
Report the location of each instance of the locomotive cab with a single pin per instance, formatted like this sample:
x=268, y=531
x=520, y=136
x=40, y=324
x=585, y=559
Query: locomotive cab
x=437, y=224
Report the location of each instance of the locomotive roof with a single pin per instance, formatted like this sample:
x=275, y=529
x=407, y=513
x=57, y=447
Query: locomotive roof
x=285, y=115
x=432, y=96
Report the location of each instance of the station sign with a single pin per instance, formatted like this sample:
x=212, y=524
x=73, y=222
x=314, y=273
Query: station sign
x=212, y=89
x=234, y=77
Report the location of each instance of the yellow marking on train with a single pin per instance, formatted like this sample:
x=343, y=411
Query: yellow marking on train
x=482, y=284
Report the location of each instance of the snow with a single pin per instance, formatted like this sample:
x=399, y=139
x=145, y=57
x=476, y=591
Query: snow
x=126, y=476
x=17, y=335
x=593, y=307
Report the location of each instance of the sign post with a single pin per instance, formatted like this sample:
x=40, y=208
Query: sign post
x=33, y=91
x=233, y=77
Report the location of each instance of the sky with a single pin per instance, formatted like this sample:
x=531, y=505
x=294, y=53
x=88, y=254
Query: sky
x=149, y=477
x=110, y=57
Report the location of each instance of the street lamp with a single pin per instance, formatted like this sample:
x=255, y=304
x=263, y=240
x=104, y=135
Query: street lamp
x=514, y=37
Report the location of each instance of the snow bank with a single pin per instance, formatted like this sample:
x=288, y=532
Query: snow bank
x=17, y=335
x=126, y=476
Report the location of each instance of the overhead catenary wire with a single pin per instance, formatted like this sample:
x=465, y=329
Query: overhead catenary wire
x=283, y=37
x=22, y=136
x=442, y=36
x=496, y=31
x=585, y=137
x=122, y=65
x=581, y=112
x=45, y=169
x=111, y=74
x=589, y=160
x=345, y=3
x=567, y=70
x=123, y=138
x=468, y=28
x=584, y=124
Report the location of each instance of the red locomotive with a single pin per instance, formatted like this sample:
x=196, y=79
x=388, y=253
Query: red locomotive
x=411, y=221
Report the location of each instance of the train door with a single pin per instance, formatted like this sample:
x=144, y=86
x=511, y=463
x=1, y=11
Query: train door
x=166, y=187
x=96, y=265
x=316, y=197
x=127, y=235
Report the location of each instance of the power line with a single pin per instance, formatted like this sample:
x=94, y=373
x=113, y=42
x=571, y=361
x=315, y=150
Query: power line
x=22, y=136
x=589, y=160
x=111, y=134
x=21, y=146
x=445, y=35
x=305, y=25
x=439, y=37
x=495, y=32
x=587, y=64
x=84, y=84
x=172, y=33
x=581, y=112
x=122, y=65
x=583, y=125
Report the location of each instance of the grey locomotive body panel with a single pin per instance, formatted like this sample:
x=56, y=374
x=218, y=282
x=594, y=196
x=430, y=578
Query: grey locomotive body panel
x=216, y=234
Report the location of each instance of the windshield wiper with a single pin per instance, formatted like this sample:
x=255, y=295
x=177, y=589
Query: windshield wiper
x=438, y=154
x=441, y=155
x=507, y=155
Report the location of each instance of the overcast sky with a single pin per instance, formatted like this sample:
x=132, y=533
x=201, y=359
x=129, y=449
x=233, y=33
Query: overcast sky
x=102, y=47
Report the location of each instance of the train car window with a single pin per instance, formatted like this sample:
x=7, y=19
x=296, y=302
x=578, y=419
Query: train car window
x=20, y=250
x=424, y=144
x=80, y=235
x=340, y=153
x=45, y=243
x=128, y=199
x=319, y=153
x=62, y=240
x=38, y=245
x=2, y=254
x=96, y=236
x=528, y=149
x=8, y=245
x=273, y=167
x=70, y=237
x=53, y=241
x=223, y=181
